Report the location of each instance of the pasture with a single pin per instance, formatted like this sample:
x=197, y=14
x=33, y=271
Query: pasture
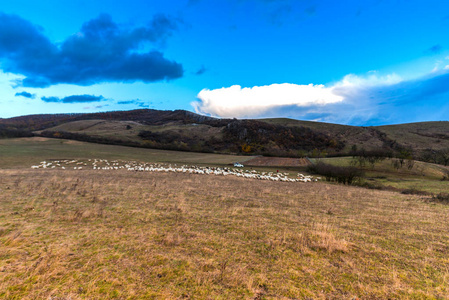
x=94, y=234
x=98, y=229
x=24, y=152
x=425, y=177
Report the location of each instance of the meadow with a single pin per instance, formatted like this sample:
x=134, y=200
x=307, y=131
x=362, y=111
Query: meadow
x=102, y=234
x=24, y=152
x=422, y=177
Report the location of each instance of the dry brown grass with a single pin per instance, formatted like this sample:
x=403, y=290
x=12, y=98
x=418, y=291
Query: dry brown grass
x=93, y=234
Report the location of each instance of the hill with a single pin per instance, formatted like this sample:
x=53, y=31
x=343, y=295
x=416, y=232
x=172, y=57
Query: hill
x=187, y=131
x=179, y=130
x=418, y=136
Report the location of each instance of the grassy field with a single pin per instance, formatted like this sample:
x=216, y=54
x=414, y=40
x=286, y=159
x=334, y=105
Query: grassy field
x=24, y=152
x=98, y=234
x=422, y=177
x=93, y=234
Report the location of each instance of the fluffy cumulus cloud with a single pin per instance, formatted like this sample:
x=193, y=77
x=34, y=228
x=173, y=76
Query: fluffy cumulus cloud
x=102, y=51
x=74, y=99
x=239, y=102
x=368, y=100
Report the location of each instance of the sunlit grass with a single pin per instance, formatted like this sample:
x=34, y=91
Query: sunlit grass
x=93, y=234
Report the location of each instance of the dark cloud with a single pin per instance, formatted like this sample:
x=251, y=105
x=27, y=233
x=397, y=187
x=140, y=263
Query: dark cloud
x=51, y=99
x=435, y=49
x=102, y=51
x=82, y=98
x=421, y=99
x=74, y=99
x=137, y=102
x=427, y=89
x=95, y=107
x=26, y=95
x=201, y=71
x=126, y=102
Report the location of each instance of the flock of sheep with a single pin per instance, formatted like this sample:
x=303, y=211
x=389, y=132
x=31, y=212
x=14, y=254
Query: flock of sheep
x=103, y=164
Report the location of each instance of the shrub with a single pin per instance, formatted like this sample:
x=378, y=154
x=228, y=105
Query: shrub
x=414, y=191
x=345, y=175
x=441, y=197
x=445, y=176
x=372, y=157
x=372, y=186
x=11, y=132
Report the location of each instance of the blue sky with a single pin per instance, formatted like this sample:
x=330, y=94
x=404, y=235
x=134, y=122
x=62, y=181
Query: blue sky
x=365, y=62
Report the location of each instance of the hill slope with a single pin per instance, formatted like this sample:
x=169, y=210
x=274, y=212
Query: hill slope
x=183, y=130
x=416, y=136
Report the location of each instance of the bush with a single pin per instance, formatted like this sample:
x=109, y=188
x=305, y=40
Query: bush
x=371, y=157
x=345, y=175
x=414, y=191
x=11, y=132
x=372, y=186
x=441, y=197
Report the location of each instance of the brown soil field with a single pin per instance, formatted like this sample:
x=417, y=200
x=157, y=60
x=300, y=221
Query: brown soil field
x=278, y=161
x=95, y=234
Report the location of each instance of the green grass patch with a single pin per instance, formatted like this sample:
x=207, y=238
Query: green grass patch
x=422, y=176
x=24, y=152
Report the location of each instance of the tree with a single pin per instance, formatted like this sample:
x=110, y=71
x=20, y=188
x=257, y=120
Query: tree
x=443, y=156
x=404, y=155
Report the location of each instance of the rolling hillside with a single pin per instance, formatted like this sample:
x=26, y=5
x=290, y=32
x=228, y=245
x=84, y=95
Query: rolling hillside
x=417, y=136
x=187, y=131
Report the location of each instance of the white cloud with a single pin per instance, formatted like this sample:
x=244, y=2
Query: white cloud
x=371, y=80
x=338, y=102
x=239, y=102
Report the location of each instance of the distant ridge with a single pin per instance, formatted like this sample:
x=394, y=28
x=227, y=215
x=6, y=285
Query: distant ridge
x=188, y=131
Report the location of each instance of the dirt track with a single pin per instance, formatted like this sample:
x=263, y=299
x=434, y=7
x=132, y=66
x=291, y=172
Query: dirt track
x=278, y=161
